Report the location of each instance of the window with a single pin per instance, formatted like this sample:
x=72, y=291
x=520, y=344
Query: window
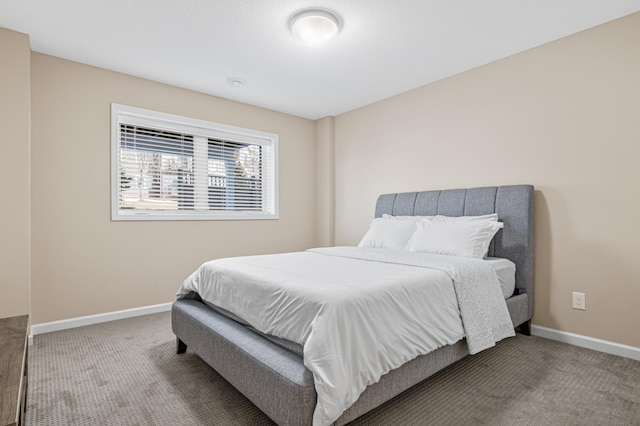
x=167, y=167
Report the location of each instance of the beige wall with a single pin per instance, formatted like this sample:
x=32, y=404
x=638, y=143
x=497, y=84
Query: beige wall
x=83, y=263
x=564, y=117
x=325, y=185
x=14, y=174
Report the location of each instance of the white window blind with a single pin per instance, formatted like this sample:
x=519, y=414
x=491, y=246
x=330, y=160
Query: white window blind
x=169, y=167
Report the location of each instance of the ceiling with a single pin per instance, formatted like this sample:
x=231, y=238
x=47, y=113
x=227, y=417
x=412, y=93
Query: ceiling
x=385, y=47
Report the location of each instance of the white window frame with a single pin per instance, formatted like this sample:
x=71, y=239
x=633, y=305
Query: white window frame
x=123, y=114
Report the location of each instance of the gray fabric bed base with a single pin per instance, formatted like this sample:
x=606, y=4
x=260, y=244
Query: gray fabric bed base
x=271, y=377
x=275, y=379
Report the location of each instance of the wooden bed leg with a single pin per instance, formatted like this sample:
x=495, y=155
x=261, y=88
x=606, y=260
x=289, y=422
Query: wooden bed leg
x=181, y=347
x=525, y=328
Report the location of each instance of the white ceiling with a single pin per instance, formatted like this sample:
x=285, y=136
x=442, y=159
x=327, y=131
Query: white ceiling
x=385, y=47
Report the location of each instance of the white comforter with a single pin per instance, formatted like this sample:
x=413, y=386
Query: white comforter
x=358, y=313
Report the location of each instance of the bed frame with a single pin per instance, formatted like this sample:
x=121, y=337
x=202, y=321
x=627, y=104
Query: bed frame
x=276, y=380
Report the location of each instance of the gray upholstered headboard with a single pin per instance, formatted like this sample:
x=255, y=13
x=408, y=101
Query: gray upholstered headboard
x=513, y=204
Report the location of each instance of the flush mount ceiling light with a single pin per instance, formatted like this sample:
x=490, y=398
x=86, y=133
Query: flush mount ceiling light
x=314, y=26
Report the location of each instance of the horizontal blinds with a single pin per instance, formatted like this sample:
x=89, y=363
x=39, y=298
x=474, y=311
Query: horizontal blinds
x=156, y=169
x=157, y=141
x=160, y=170
x=235, y=176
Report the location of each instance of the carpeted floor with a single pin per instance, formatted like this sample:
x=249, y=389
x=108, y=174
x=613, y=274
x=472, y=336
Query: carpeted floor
x=127, y=373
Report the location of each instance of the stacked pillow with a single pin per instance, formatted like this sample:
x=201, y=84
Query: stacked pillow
x=467, y=236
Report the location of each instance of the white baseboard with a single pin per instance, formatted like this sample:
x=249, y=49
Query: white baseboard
x=587, y=342
x=48, y=327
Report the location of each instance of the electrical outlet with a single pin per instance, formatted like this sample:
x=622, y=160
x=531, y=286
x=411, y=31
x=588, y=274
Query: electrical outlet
x=579, y=301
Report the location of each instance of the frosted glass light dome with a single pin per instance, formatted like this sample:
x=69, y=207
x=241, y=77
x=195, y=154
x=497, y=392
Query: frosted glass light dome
x=314, y=27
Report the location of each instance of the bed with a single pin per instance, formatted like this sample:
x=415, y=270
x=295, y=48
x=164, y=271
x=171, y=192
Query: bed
x=274, y=377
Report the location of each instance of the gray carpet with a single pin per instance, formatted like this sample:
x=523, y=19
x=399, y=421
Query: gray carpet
x=127, y=373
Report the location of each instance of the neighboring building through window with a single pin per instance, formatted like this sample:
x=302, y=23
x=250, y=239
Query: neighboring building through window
x=167, y=167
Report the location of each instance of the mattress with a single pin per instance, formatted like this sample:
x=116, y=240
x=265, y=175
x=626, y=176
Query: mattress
x=506, y=272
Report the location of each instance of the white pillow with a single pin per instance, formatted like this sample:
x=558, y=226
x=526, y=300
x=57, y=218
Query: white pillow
x=388, y=233
x=454, y=238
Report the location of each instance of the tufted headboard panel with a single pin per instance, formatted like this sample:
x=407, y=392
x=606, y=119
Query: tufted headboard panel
x=512, y=203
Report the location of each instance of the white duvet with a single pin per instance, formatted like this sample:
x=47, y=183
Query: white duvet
x=358, y=313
